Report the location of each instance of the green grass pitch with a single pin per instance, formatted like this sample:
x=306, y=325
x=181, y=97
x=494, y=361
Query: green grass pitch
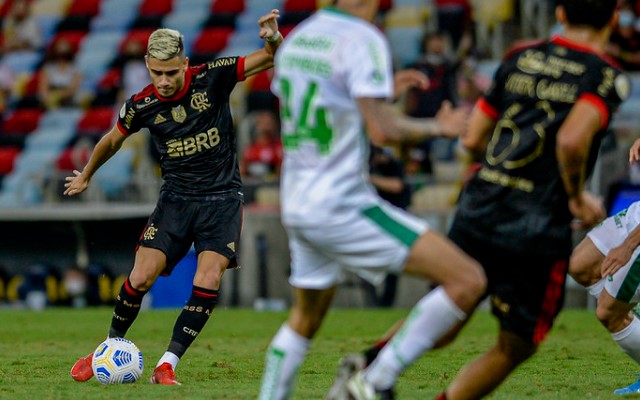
x=37, y=349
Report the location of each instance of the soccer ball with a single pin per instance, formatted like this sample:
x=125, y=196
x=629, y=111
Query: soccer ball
x=117, y=360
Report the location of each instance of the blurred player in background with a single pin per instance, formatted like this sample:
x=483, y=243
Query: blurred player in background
x=333, y=75
x=186, y=109
x=537, y=133
x=607, y=263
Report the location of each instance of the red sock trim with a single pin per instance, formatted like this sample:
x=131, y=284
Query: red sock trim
x=205, y=293
x=131, y=290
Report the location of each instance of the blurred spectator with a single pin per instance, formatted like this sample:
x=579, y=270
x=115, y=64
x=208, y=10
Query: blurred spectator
x=454, y=17
x=262, y=158
x=134, y=71
x=440, y=66
x=59, y=78
x=6, y=86
x=20, y=28
x=624, y=42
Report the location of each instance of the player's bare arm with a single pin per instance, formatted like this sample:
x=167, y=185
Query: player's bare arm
x=475, y=139
x=106, y=147
x=572, y=150
x=386, y=125
x=262, y=59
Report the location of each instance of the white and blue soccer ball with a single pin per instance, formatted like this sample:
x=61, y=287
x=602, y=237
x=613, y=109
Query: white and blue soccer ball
x=117, y=360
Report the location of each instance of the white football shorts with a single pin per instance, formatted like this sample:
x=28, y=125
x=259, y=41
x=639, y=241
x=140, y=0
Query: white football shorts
x=369, y=242
x=623, y=285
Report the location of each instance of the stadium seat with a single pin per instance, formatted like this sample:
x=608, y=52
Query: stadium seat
x=22, y=121
x=96, y=121
x=211, y=41
x=141, y=35
x=75, y=37
x=8, y=155
x=299, y=6
x=24, y=61
x=155, y=7
x=73, y=23
x=227, y=6
x=87, y=8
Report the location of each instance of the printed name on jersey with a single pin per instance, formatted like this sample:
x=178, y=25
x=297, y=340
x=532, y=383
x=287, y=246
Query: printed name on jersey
x=200, y=101
x=221, y=62
x=537, y=62
x=179, y=114
x=544, y=89
x=194, y=144
x=128, y=117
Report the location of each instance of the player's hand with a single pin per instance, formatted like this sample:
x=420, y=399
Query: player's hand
x=617, y=258
x=407, y=79
x=453, y=121
x=634, y=152
x=75, y=184
x=269, y=24
x=587, y=209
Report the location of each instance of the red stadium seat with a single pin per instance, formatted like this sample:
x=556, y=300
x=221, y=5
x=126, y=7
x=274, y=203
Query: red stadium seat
x=212, y=40
x=385, y=5
x=141, y=35
x=155, y=7
x=8, y=157
x=110, y=79
x=73, y=37
x=96, y=121
x=89, y=8
x=299, y=6
x=5, y=7
x=285, y=29
x=71, y=159
x=227, y=6
x=24, y=120
x=31, y=88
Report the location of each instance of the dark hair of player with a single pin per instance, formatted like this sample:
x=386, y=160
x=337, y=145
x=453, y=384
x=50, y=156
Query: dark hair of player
x=592, y=13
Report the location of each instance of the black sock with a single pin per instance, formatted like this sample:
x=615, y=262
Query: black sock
x=192, y=319
x=126, y=309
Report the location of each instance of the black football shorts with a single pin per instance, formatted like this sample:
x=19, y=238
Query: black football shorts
x=526, y=291
x=212, y=223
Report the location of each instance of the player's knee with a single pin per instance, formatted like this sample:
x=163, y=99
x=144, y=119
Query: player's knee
x=614, y=320
x=141, y=281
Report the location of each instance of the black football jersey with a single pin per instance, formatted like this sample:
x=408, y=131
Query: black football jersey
x=192, y=130
x=517, y=199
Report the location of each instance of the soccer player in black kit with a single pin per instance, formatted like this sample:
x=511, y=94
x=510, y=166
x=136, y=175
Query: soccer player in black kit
x=186, y=110
x=536, y=134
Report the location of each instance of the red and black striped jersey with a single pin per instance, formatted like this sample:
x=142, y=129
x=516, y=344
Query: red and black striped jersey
x=517, y=199
x=192, y=130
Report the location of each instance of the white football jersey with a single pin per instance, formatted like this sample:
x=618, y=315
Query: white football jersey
x=324, y=64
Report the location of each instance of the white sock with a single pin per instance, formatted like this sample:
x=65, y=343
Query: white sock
x=596, y=288
x=284, y=356
x=629, y=340
x=170, y=358
x=429, y=320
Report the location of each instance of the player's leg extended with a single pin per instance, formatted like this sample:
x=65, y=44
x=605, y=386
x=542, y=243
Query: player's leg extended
x=483, y=375
x=461, y=284
x=194, y=315
x=149, y=263
x=290, y=345
x=584, y=266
